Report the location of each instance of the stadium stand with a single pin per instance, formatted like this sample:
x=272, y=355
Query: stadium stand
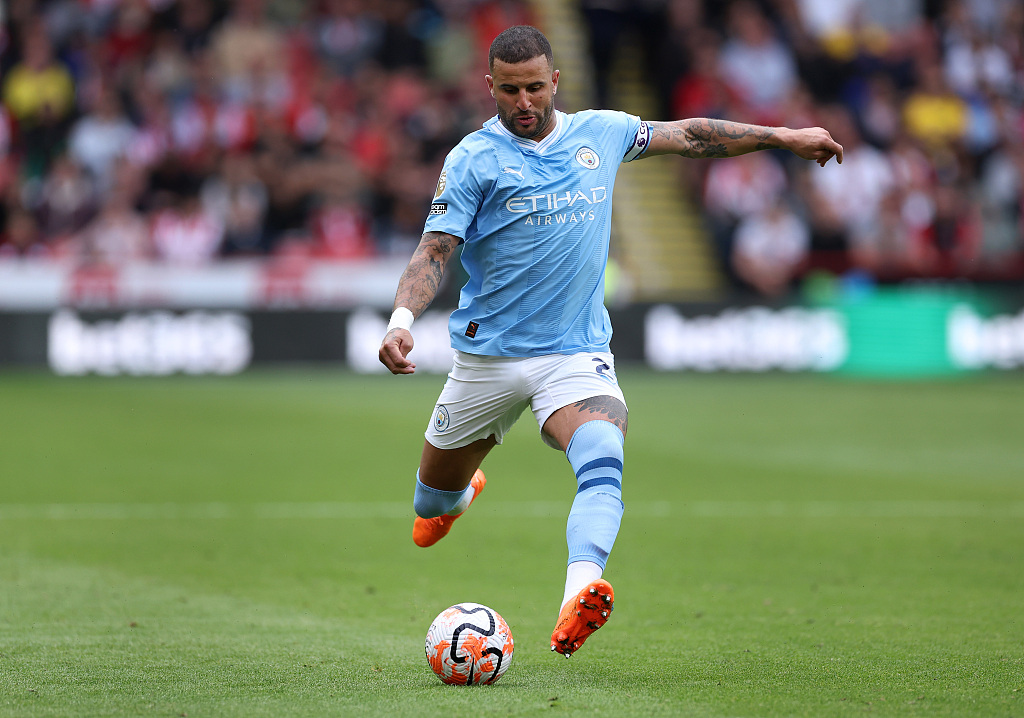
x=187, y=132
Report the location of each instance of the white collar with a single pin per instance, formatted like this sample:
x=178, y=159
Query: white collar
x=539, y=147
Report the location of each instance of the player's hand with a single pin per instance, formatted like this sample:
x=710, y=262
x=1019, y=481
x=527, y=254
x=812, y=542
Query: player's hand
x=394, y=352
x=815, y=143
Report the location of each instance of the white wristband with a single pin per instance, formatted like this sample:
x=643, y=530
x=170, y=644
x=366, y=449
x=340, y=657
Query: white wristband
x=401, y=318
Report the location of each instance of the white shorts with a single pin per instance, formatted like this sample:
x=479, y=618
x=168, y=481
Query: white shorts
x=484, y=396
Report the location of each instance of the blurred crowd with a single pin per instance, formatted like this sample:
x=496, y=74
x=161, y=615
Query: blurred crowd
x=187, y=130
x=926, y=97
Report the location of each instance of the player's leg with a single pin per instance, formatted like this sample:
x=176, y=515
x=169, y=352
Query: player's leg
x=582, y=412
x=450, y=470
x=478, y=404
x=447, y=482
x=592, y=434
x=594, y=448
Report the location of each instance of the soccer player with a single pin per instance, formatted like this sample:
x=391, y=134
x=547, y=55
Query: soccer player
x=530, y=197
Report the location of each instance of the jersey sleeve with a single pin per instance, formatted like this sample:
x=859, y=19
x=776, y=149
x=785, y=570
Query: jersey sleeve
x=460, y=192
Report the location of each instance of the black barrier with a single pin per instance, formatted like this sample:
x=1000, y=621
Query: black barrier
x=23, y=338
x=298, y=336
x=891, y=333
x=165, y=341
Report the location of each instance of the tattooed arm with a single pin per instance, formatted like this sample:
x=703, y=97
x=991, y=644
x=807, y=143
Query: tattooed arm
x=702, y=137
x=416, y=290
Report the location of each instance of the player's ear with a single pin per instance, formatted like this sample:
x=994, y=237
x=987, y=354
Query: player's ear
x=490, y=84
x=554, y=82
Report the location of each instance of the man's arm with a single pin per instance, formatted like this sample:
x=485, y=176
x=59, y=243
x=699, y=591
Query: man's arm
x=701, y=137
x=416, y=290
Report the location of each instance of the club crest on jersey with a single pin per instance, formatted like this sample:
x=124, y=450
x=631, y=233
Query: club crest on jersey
x=442, y=182
x=588, y=158
x=441, y=418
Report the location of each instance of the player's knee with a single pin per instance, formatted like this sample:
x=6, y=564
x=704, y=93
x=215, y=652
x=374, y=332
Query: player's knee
x=596, y=448
x=429, y=502
x=596, y=455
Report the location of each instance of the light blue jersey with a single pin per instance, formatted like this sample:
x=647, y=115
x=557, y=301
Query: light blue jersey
x=535, y=219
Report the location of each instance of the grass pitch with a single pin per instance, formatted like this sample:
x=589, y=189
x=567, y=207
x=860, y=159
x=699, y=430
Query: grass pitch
x=792, y=546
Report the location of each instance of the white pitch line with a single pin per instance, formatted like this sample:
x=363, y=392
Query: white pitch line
x=335, y=510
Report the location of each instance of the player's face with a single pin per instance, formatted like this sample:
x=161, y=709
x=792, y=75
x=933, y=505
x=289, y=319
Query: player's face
x=524, y=93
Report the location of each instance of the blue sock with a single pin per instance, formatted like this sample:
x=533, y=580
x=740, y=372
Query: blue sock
x=595, y=452
x=430, y=502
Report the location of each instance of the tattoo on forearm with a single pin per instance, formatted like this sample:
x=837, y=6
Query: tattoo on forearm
x=672, y=132
x=703, y=138
x=611, y=408
x=422, y=278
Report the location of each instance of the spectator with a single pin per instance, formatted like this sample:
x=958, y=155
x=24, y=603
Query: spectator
x=451, y=47
x=248, y=52
x=192, y=119
x=826, y=21
x=735, y=190
x=933, y=113
x=953, y=241
x=67, y=200
x=21, y=236
x=185, y=234
x=153, y=140
x=770, y=249
x=701, y=91
x=39, y=89
x=843, y=205
x=119, y=234
x=685, y=31
x=346, y=35
x=237, y=199
x=892, y=245
x=755, y=63
x=39, y=93
x=1001, y=191
x=401, y=193
x=101, y=137
x=487, y=18
x=167, y=73
x=879, y=110
x=341, y=229
x=401, y=45
x=975, y=63
x=193, y=21
x=129, y=39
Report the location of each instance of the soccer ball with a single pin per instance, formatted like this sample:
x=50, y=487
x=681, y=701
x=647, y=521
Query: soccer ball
x=469, y=644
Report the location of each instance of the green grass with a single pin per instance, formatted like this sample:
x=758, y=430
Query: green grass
x=792, y=546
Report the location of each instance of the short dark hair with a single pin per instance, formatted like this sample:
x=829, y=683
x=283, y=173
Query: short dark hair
x=519, y=44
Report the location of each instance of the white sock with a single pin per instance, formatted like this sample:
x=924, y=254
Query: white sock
x=463, y=503
x=578, y=575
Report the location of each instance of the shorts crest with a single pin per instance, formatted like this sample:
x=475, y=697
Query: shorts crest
x=441, y=419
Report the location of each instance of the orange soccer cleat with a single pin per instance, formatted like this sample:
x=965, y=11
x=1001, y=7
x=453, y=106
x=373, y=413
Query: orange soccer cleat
x=427, y=532
x=582, y=616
